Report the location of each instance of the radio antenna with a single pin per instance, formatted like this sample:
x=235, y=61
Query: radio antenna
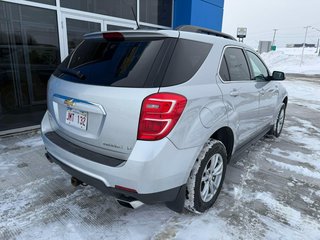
x=135, y=18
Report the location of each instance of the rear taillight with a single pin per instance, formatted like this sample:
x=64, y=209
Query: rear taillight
x=159, y=114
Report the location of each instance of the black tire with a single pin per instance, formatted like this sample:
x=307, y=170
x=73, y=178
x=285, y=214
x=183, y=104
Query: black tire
x=213, y=152
x=277, y=129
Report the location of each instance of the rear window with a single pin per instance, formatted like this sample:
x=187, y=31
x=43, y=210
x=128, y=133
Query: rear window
x=111, y=63
x=134, y=63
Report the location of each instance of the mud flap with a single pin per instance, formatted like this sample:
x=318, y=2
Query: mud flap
x=178, y=204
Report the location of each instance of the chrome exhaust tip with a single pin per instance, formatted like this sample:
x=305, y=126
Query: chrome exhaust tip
x=129, y=203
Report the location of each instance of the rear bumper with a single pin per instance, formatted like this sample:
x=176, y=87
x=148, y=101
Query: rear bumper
x=84, y=153
x=164, y=196
x=153, y=167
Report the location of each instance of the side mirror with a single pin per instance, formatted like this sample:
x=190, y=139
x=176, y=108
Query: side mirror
x=278, y=76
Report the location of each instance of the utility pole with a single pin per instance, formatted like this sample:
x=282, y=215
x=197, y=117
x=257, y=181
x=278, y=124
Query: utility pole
x=304, y=43
x=274, y=36
x=318, y=44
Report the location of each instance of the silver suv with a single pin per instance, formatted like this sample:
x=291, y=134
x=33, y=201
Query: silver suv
x=155, y=116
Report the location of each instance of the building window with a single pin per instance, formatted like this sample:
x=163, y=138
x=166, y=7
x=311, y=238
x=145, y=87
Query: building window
x=116, y=27
x=29, y=53
x=50, y=2
x=114, y=8
x=158, y=12
x=76, y=29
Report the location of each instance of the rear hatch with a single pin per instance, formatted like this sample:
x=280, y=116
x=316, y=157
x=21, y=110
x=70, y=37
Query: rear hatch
x=95, y=95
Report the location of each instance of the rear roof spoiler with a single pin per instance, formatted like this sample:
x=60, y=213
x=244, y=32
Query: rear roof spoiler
x=132, y=34
x=138, y=34
x=195, y=29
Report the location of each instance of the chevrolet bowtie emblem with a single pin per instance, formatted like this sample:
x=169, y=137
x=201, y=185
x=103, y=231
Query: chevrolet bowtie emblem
x=69, y=102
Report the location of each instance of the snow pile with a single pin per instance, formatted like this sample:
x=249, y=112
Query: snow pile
x=288, y=60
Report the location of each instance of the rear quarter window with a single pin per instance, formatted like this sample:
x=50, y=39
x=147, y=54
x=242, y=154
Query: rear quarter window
x=224, y=72
x=186, y=60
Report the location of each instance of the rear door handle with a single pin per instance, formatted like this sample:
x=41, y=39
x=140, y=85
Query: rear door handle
x=234, y=93
x=262, y=92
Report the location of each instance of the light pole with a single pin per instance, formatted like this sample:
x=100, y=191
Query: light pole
x=304, y=43
x=318, y=50
x=274, y=36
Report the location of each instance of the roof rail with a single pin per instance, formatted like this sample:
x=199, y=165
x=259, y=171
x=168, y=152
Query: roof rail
x=195, y=29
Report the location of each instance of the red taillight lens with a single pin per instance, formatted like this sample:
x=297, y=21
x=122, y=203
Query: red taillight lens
x=159, y=114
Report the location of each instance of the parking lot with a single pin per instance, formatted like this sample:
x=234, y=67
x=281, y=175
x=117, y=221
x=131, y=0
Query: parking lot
x=271, y=192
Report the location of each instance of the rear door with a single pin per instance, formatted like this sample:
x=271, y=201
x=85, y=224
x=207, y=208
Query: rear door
x=268, y=92
x=239, y=93
x=95, y=95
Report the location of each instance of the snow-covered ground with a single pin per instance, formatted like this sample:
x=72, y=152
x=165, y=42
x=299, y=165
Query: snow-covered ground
x=271, y=192
x=288, y=60
x=304, y=93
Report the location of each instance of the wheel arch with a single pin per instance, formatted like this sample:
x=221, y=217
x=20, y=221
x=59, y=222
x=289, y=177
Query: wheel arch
x=285, y=100
x=226, y=136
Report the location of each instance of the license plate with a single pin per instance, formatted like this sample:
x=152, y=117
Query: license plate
x=77, y=118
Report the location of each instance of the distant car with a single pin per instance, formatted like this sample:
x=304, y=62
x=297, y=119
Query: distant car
x=155, y=116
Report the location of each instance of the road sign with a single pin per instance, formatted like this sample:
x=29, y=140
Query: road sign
x=241, y=32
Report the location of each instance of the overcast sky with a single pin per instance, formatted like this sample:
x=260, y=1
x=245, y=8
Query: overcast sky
x=261, y=16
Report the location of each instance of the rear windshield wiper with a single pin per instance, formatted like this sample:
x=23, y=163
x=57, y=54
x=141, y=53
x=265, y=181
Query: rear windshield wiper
x=72, y=72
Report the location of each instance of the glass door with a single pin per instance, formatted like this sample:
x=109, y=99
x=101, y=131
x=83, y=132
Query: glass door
x=29, y=53
x=75, y=28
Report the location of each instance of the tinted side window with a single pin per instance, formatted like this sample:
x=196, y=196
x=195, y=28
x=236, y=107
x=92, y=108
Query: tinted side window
x=224, y=72
x=259, y=69
x=186, y=60
x=237, y=64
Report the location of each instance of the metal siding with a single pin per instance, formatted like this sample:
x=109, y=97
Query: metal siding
x=182, y=12
x=203, y=13
x=218, y=3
